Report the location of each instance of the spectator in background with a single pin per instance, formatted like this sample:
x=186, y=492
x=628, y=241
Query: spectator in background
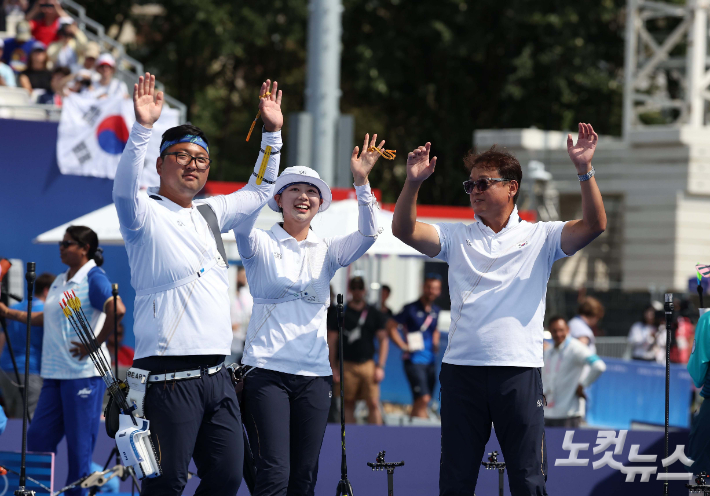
x=363, y=324
x=241, y=314
x=17, y=333
x=589, y=313
x=108, y=86
x=37, y=76
x=644, y=336
x=384, y=296
x=7, y=75
x=125, y=353
x=44, y=20
x=69, y=47
x=17, y=50
x=565, y=376
x=419, y=321
x=13, y=7
x=60, y=77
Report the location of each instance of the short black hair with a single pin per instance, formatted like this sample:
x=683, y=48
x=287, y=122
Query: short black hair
x=177, y=132
x=356, y=283
x=386, y=287
x=555, y=318
x=44, y=281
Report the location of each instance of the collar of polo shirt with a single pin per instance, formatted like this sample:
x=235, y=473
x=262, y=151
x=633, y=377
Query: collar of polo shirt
x=513, y=221
x=282, y=235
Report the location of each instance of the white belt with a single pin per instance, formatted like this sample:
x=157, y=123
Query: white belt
x=185, y=374
x=180, y=282
x=309, y=296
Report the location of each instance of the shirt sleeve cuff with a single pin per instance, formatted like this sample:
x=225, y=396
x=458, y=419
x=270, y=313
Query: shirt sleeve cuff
x=141, y=130
x=364, y=193
x=271, y=139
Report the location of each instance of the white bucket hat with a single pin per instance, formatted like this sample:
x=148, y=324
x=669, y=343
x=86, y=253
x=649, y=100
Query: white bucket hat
x=301, y=174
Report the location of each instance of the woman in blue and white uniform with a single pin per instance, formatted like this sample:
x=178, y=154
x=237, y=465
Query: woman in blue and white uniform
x=289, y=268
x=72, y=393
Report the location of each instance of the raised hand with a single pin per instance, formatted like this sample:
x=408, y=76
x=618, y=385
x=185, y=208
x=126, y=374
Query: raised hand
x=582, y=153
x=147, y=103
x=418, y=165
x=362, y=165
x=270, y=107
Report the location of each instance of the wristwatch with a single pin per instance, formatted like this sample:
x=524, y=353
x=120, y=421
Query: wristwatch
x=587, y=176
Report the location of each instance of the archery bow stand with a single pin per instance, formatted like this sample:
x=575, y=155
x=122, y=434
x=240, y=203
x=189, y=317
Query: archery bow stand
x=493, y=464
x=380, y=464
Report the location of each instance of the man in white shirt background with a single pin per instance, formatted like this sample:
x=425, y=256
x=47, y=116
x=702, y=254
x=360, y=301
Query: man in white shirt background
x=569, y=369
x=499, y=267
x=178, y=266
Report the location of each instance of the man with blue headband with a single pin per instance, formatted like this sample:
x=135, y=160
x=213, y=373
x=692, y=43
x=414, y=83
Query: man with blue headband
x=179, y=271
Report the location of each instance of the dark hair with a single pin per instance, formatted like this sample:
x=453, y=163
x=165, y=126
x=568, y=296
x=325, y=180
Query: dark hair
x=385, y=287
x=43, y=281
x=356, y=283
x=64, y=71
x=499, y=160
x=432, y=276
x=177, y=132
x=591, y=307
x=555, y=318
x=87, y=237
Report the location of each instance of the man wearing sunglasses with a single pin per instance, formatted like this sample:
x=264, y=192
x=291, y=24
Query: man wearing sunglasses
x=499, y=266
x=178, y=266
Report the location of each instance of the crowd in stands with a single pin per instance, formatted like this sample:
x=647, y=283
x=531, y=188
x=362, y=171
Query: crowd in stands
x=51, y=58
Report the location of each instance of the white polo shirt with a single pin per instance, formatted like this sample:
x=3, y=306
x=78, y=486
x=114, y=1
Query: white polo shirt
x=291, y=336
x=566, y=366
x=167, y=243
x=497, y=285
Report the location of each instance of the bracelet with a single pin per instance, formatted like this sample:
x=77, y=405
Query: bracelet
x=587, y=176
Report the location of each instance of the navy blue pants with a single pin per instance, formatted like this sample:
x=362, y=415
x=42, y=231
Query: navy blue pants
x=198, y=419
x=285, y=416
x=699, y=440
x=473, y=397
x=71, y=408
x=421, y=377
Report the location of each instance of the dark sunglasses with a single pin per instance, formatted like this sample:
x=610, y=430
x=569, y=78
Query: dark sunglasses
x=482, y=184
x=67, y=244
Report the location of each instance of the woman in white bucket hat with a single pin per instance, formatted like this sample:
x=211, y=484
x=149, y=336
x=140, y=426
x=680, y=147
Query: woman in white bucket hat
x=288, y=388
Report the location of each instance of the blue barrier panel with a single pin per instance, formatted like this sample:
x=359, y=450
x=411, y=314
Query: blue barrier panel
x=38, y=466
x=634, y=391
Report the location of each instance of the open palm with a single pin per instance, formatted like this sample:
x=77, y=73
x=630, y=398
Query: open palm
x=582, y=152
x=147, y=103
x=270, y=106
x=363, y=164
x=418, y=165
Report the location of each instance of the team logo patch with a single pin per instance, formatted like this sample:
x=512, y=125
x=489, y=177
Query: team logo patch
x=84, y=393
x=524, y=243
x=539, y=403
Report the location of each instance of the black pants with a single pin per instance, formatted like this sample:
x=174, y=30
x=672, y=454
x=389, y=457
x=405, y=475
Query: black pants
x=472, y=398
x=285, y=416
x=198, y=419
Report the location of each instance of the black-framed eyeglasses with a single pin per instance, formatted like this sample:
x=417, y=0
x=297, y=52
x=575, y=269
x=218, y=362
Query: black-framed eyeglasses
x=481, y=184
x=185, y=159
x=67, y=244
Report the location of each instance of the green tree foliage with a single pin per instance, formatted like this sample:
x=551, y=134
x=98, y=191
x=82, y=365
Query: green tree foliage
x=412, y=71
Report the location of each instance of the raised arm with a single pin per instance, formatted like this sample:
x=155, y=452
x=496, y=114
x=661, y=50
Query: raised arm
x=37, y=318
x=349, y=248
x=420, y=236
x=240, y=206
x=579, y=233
x=147, y=105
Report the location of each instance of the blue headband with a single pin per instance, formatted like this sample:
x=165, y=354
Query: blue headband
x=188, y=138
x=300, y=182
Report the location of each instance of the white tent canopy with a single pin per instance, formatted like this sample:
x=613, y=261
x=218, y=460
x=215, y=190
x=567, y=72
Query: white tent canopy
x=340, y=219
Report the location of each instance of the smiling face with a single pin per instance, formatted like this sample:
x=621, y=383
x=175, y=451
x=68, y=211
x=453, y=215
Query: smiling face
x=559, y=331
x=181, y=181
x=299, y=202
x=497, y=196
